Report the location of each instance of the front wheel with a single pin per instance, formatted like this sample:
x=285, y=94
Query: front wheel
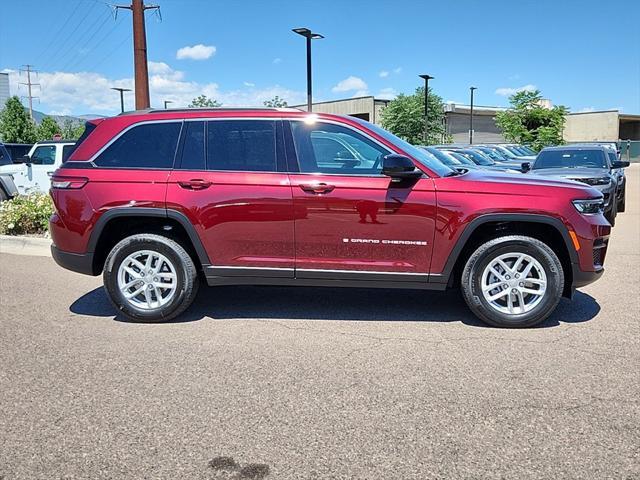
x=513, y=281
x=150, y=278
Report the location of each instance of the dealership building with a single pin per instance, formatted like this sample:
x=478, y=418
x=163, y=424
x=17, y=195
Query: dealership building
x=600, y=126
x=4, y=89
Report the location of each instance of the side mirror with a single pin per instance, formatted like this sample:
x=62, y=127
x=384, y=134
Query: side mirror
x=620, y=164
x=24, y=159
x=525, y=167
x=399, y=167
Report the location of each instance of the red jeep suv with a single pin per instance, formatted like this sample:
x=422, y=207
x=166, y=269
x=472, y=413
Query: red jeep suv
x=157, y=200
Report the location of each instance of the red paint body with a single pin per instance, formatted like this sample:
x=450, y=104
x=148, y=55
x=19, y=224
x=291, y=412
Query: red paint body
x=272, y=220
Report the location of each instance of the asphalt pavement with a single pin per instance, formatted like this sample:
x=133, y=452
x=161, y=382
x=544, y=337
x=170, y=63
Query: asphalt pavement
x=319, y=383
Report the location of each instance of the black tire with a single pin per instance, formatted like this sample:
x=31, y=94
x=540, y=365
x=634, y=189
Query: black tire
x=475, y=266
x=612, y=213
x=622, y=202
x=186, y=277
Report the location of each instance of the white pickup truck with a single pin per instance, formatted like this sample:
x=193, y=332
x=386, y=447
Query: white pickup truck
x=34, y=173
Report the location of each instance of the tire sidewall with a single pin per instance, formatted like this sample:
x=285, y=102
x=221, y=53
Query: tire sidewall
x=553, y=271
x=120, y=252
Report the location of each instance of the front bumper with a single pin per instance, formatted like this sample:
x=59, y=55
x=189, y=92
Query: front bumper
x=582, y=278
x=76, y=262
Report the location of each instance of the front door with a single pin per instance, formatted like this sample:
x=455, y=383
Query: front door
x=231, y=183
x=351, y=221
x=35, y=175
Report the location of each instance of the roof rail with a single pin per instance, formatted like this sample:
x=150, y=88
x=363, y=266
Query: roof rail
x=210, y=109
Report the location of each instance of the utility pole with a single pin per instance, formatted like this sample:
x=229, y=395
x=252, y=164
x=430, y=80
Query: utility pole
x=138, y=8
x=28, y=69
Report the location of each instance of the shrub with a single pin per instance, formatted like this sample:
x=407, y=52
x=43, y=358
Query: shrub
x=26, y=214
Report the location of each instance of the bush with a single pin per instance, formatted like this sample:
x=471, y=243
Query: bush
x=26, y=214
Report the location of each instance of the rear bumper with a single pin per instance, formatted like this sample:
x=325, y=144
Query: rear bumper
x=76, y=262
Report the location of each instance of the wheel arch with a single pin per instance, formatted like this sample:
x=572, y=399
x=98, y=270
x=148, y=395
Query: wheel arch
x=116, y=224
x=550, y=230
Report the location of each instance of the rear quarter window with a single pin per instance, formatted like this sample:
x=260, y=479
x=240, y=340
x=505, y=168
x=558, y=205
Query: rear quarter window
x=151, y=145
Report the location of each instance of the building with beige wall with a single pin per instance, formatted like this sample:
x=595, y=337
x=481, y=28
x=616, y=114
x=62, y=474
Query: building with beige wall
x=367, y=108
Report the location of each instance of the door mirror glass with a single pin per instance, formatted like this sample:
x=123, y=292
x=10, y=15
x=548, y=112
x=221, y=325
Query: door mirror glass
x=619, y=164
x=399, y=167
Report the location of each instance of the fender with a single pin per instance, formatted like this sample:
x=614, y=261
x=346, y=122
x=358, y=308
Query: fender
x=501, y=217
x=149, y=212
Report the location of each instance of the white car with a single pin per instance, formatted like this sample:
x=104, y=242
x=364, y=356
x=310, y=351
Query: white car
x=34, y=173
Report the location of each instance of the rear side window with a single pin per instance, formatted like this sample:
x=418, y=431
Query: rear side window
x=66, y=151
x=193, y=150
x=151, y=145
x=242, y=145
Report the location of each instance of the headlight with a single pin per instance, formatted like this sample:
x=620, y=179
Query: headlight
x=591, y=206
x=597, y=181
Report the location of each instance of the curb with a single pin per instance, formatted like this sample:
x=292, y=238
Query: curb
x=19, y=245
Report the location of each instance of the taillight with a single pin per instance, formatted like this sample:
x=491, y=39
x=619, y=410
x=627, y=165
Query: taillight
x=68, y=182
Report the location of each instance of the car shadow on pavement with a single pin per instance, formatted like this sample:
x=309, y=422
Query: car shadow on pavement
x=321, y=303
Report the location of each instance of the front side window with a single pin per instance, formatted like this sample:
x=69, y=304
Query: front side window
x=151, y=145
x=333, y=149
x=242, y=145
x=45, y=155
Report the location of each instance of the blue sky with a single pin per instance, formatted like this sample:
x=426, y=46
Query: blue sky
x=584, y=54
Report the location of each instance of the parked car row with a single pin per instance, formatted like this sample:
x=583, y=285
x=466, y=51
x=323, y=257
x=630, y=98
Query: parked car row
x=594, y=164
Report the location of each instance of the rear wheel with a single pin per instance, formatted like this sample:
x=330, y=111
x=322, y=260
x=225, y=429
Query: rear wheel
x=513, y=281
x=622, y=201
x=150, y=278
x=612, y=213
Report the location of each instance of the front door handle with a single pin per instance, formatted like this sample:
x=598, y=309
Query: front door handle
x=317, y=187
x=195, y=184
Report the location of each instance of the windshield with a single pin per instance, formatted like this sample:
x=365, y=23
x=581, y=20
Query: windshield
x=5, y=158
x=461, y=158
x=478, y=157
x=419, y=154
x=516, y=150
x=493, y=154
x=570, y=159
x=442, y=156
x=505, y=152
x=527, y=150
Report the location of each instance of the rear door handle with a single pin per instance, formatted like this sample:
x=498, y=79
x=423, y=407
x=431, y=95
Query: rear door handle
x=317, y=187
x=195, y=184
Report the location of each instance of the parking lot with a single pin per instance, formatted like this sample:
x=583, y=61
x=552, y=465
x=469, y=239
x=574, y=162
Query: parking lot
x=319, y=383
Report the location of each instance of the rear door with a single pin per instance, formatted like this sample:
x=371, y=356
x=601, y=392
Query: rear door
x=351, y=221
x=231, y=183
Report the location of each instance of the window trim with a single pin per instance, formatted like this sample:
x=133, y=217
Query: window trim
x=347, y=126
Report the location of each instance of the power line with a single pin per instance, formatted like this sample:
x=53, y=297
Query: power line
x=58, y=32
x=68, y=37
x=77, y=60
x=29, y=84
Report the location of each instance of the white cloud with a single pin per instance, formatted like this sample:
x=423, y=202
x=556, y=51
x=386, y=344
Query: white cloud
x=276, y=61
x=249, y=84
x=397, y=70
x=90, y=92
x=507, y=91
x=387, y=93
x=349, y=84
x=383, y=74
x=196, y=52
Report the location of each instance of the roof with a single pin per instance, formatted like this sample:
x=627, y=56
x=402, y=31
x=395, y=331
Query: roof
x=54, y=141
x=577, y=147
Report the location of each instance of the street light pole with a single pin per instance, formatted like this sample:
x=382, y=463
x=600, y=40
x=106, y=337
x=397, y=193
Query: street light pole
x=121, y=90
x=426, y=106
x=471, y=117
x=309, y=35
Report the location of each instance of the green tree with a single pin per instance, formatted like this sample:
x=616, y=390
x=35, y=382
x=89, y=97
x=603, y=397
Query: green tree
x=204, y=101
x=404, y=117
x=15, y=124
x=72, y=130
x=47, y=129
x=528, y=121
x=276, y=102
